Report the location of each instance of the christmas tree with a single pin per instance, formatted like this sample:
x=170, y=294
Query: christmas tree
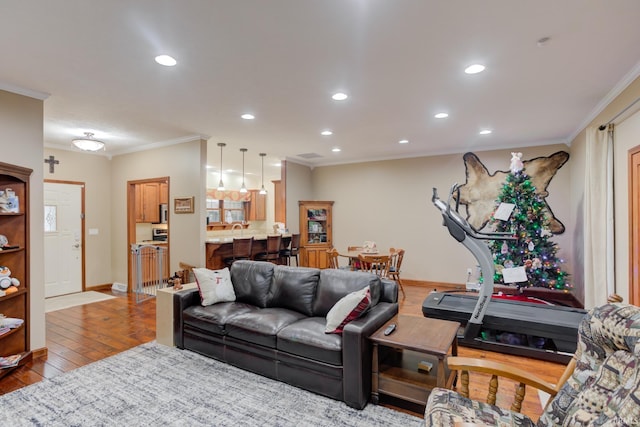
x=533, y=248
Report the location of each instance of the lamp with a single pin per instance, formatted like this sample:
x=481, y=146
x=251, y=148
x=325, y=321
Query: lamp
x=243, y=189
x=221, y=184
x=88, y=143
x=263, y=190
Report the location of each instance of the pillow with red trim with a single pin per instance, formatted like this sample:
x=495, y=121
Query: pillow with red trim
x=347, y=309
x=214, y=285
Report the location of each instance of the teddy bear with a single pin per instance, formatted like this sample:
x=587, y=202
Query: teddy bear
x=6, y=281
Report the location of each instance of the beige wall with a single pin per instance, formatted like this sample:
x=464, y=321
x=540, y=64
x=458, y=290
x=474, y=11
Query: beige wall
x=299, y=187
x=21, y=137
x=185, y=164
x=626, y=137
x=95, y=172
x=389, y=202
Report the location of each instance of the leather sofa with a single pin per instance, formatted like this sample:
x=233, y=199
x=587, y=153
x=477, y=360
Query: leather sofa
x=276, y=327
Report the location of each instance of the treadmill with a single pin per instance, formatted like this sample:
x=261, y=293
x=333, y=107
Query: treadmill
x=539, y=331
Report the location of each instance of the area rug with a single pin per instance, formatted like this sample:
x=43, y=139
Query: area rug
x=153, y=385
x=72, y=300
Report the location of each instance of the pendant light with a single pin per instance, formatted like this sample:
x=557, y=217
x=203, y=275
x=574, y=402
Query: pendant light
x=221, y=184
x=243, y=189
x=263, y=190
x=88, y=143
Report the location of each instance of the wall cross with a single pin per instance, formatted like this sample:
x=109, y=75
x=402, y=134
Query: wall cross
x=52, y=163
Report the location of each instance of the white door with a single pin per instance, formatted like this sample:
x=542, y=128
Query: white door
x=62, y=239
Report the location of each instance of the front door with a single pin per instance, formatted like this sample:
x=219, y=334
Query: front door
x=63, y=252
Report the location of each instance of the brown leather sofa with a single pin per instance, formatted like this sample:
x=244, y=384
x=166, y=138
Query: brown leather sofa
x=276, y=327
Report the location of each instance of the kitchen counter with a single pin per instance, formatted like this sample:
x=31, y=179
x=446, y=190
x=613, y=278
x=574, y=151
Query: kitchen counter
x=217, y=249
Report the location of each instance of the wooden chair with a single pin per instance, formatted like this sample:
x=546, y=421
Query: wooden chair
x=242, y=249
x=292, y=251
x=394, y=267
x=354, y=263
x=273, y=249
x=597, y=384
x=334, y=259
x=376, y=264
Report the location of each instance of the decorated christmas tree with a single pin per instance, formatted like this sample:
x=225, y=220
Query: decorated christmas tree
x=521, y=211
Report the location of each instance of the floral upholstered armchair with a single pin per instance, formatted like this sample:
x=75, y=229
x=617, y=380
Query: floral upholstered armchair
x=602, y=389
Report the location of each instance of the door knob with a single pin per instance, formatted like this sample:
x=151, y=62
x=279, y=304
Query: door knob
x=77, y=245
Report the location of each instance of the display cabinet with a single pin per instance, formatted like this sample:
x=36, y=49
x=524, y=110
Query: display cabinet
x=14, y=240
x=315, y=232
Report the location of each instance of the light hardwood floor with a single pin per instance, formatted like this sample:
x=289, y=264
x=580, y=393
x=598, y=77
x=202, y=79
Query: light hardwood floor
x=80, y=335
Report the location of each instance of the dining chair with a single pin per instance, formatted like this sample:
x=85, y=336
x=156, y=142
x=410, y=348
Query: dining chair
x=354, y=263
x=292, y=251
x=333, y=257
x=395, y=262
x=273, y=249
x=242, y=248
x=377, y=264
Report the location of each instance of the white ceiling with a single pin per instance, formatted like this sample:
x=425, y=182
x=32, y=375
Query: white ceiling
x=401, y=61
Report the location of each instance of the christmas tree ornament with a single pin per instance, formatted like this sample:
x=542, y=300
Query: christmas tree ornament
x=505, y=248
x=531, y=246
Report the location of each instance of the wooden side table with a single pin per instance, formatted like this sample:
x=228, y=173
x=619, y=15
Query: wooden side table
x=396, y=358
x=164, y=314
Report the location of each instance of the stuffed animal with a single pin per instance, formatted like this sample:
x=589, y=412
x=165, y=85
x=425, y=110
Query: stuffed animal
x=516, y=162
x=6, y=281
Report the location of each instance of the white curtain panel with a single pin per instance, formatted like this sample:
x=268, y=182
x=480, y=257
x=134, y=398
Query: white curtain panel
x=599, y=255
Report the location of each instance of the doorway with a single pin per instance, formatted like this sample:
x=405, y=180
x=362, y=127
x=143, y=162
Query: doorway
x=63, y=237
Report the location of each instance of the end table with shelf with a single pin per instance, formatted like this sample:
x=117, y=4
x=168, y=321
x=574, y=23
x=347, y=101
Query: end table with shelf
x=396, y=358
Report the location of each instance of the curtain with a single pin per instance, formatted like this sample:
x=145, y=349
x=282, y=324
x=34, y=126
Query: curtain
x=599, y=279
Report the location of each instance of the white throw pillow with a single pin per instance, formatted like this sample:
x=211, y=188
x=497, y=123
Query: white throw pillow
x=347, y=309
x=215, y=285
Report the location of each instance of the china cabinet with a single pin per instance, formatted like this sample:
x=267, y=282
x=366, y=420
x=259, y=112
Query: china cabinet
x=315, y=232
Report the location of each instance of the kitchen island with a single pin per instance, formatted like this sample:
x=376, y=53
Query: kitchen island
x=218, y=249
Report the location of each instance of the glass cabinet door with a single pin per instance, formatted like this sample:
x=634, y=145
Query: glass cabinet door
x=317, y=225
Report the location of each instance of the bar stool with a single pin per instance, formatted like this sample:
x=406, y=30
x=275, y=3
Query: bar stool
x=292, y=251
x=242, y=248
x=273, y=250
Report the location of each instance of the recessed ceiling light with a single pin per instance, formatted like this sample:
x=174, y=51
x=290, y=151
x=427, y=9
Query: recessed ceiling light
x=336, y=149
x=248, y=116
x=441, y=115
x=485, y=131
x=474, y=69
x=339, y=96
x=326, y=133
x=403, y=141
x=166, y=60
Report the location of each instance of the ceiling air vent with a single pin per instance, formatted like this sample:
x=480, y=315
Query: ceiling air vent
x=310, y=155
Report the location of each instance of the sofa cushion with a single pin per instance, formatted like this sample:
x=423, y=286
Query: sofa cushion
x=261, y=326
x=294, y=288
x=348, y=309
x=213, y=318
x=214, y=285
x=335, y=284
x=252, y=281
x=306, y=338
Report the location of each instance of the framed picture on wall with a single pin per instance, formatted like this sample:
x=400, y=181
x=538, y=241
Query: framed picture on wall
x=183, y=205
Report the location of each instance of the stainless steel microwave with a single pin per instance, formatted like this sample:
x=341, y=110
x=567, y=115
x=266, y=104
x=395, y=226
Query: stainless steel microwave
x=164, y=213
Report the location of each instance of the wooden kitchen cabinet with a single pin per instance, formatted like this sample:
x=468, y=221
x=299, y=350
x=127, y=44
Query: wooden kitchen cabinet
x=257, y=206
x=315, y=232
x=15, y=227
x=164, y=193
x=147, y=202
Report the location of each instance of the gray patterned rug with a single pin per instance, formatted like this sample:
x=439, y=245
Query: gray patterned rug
x=154, y=385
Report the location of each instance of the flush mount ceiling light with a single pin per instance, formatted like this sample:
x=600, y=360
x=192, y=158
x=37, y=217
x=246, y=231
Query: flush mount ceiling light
x=474, y=69
x=88, y=143
x=243, y=189
x=339, y=96
x=326, y=133
x=441, y=115
x=248, y=116
x=221, y=184
x=262, y=189
x=166, y=60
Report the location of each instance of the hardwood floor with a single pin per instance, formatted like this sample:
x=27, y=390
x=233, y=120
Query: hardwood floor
x=81, y=335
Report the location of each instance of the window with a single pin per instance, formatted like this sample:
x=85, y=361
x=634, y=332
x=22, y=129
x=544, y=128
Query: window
x=50, y=218
x=227, y=211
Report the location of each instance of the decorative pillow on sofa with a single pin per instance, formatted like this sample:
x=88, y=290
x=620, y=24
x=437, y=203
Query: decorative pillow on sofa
x=215, y=285
x=347, y=309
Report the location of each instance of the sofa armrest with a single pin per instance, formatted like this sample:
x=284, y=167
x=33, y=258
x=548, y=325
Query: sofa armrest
x=357, y=353
x=182, y=300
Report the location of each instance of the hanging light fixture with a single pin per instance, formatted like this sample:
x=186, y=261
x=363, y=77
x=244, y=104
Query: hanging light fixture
x=263, y=190
x=88, y=143
x=221, y=184
x=243, y=189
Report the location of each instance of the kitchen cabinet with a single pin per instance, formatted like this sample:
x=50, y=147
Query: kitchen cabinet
x=279, y=201
x=147, y=202
x=257, y=206
x=315, y=232
x=14, y=226
x=164, y=193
